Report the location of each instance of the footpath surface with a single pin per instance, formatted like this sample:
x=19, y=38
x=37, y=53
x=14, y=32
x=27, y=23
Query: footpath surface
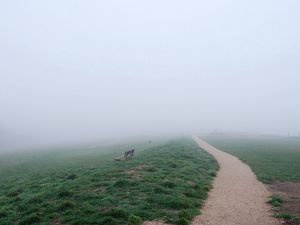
x=237, y=197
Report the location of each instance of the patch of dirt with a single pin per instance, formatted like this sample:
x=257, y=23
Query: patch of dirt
x=134, y=174
x=155, y=223
x=289, y=222
x=192, y=183
x=99, y=190
x=286, y=187
x=290, y=192
x=57, y=222
x=130, y=172
x=141, y=166
x=105, y=209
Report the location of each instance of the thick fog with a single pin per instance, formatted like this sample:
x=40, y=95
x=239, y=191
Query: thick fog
x=86, y=70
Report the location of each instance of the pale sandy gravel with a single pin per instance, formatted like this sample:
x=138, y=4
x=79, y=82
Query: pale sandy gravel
x=237, y=197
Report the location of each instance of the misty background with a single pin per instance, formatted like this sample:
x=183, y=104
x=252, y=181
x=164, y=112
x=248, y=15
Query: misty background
x=72, y=71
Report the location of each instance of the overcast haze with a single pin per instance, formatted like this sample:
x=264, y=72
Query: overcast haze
x=77, y=70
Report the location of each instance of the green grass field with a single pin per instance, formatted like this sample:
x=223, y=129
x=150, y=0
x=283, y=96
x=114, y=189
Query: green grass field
x=271, y=158
x=166, y=181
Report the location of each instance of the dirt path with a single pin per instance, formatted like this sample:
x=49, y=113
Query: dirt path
x=237, y=198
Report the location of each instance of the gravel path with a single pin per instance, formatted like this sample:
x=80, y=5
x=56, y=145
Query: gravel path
x=237, y=197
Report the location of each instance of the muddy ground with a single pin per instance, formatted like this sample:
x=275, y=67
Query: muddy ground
x=290, y=192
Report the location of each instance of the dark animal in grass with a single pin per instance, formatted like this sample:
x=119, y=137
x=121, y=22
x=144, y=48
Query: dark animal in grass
x=127, y=155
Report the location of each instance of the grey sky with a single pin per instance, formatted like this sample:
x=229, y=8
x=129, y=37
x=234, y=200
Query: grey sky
x=73, y=70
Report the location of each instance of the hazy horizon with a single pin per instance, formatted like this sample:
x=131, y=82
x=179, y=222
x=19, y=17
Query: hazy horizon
x=73, y=71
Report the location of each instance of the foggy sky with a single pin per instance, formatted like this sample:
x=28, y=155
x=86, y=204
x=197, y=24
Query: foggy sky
x=75, y=70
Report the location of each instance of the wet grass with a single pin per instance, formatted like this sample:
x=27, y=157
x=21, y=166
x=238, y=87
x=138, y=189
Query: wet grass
x=166, y=181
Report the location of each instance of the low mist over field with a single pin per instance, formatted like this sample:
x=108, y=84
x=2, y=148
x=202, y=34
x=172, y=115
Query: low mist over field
x=76, y=71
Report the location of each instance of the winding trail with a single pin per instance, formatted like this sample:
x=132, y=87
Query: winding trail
x=237, y=197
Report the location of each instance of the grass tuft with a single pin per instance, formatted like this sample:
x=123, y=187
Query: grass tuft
x=276, y=201
x=287, y=216
x=134, y=220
